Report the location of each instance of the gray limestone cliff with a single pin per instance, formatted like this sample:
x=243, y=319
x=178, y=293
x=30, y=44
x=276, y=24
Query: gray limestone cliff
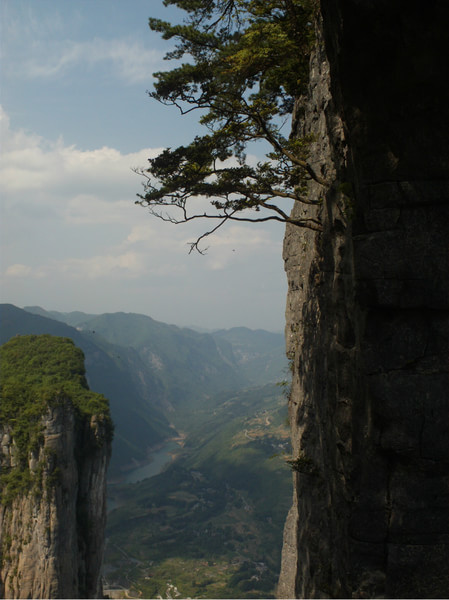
x=55, y=449
x=368, y=310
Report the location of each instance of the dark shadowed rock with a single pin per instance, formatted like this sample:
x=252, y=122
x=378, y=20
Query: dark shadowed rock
x=367, y=311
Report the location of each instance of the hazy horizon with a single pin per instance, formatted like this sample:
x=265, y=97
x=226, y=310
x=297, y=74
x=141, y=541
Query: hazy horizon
x=193, y=326
x=75, y=120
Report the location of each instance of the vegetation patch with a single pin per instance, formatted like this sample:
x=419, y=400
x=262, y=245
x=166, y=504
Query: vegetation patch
x=40, y=372
x=211, y=524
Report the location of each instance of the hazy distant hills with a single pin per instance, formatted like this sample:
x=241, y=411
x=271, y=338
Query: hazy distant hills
x=220, y=506
x=71, y=318
x=155, y=374
x=190, y=366
x=139, y=423
x=260, y=354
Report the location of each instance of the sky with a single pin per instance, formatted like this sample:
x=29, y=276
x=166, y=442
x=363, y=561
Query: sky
x=75, y=120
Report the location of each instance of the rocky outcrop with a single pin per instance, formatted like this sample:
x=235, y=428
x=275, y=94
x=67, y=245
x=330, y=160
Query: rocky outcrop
x=368, y=311
x=53, y=511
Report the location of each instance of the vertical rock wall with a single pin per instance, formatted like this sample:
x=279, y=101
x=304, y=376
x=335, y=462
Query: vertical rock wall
x=367, y=311
x=52, y=536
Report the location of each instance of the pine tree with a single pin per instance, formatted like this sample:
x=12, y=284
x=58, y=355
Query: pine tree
x=246, y=61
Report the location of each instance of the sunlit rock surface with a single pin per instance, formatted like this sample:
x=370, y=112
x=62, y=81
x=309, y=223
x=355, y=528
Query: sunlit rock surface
x=52, y=533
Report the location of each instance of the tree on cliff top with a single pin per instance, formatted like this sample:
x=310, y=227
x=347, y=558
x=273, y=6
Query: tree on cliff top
x=40, y=372
x=246, y=62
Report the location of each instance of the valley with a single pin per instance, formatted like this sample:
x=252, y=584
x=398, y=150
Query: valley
x=198, y=487
x=211, y=523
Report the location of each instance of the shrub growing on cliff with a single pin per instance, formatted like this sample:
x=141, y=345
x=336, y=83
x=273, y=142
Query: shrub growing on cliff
x=38, y=373
x=247, y=62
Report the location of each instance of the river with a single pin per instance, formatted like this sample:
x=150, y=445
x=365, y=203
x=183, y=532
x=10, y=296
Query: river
x=159, y=460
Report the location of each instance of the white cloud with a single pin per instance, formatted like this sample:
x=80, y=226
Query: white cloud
x=126, y=265
x=18, y=270
x=49, y=42
x=83, y=186
x=132, y=61
x=149, y=236
x=15, y=140
x=72, y=238
x=129, y=264
x=90, y=209
x=53, y=191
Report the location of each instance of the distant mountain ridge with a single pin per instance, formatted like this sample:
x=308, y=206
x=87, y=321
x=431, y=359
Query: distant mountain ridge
x=158, y=377
x=226, y=494
x=71, y=318
x=139, y=423
x=259, y=353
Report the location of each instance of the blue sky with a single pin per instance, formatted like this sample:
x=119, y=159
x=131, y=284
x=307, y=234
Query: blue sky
x=75, y=119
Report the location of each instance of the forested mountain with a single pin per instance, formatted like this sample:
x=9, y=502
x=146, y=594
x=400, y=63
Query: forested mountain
x=71, y=318
x=189, y=366
x=139, y=423
x=186, y=367
x=226, y=495
x=159, y=378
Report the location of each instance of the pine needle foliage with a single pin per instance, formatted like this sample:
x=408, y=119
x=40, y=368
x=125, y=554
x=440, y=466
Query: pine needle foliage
x=241, y=64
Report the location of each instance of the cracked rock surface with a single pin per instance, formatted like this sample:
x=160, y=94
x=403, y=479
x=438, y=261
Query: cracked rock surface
x=52, y=536
x=368, y=311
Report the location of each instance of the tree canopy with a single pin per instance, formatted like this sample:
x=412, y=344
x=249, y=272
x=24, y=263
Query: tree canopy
x=240, y=64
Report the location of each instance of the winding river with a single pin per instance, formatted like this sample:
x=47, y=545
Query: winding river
x=159, y=460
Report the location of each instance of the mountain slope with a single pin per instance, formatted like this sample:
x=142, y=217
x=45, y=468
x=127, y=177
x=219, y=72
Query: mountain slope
x=156, y=374
x=71, y=318
x=220, y=506
x=189, y=366
x=139, y=424
x=211, y=524
x=260, y=354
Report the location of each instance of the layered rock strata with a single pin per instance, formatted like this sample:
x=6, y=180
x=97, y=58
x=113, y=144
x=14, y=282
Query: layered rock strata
x=368, y=311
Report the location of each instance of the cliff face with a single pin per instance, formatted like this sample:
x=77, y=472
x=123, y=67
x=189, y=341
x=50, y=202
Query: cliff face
x=367, y=311
x=53, y=508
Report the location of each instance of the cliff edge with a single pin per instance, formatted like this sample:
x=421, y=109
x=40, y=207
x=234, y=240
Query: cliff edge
x=55, y=447
x=368, y=310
